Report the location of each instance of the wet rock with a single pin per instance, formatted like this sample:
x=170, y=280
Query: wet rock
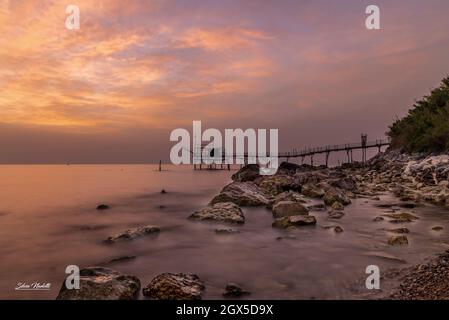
x=346, y=183
x=398, y=241
x=313, y=191
x=400, y=230
x=378, y=219
x=294, y=221
x=336, y=214
x=337, y=206
x=336, y=229
x=226, y=231
x=245, y=194
x=289, y=168
x=101, y=207
x=98, y=283
x=249, y=172
x=289, y=208
x=402, y=217
x=437, y=228
x=336, y=195
x=287, y=196
x=169, y=286
x=223, y=211
x=234, y=291
x=276, y=184
x=317, y=207
x=163, y=191
x=121, y=259
x=133, y=233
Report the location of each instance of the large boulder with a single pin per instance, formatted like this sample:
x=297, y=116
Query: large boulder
x=223, y=211
x=289, y=208
x=169, y=286
x=294, y=221
x=98, y=283
x=245, y=194
x=336, y=195
x=249, y=172
x=133, y=233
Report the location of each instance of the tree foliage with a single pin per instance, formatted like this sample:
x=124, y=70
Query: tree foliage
x=426, y=126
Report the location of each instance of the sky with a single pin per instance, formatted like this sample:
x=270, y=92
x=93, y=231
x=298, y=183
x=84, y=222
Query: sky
x=112, y=91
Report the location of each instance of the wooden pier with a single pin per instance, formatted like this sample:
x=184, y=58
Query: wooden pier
x=363, y=145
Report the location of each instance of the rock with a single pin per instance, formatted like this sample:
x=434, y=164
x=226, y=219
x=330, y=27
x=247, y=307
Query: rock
x=336, y=195
x=235, y=291
x=98, y=283
x=289, y=208
x=337, y=229
x=249, y=172
x=312, y=191
x=398, y=241
x=163, y=191
x=245, y=194
x=346, y=183
x=378, y=219
x=169, y=286
x=294, y=221
x=276, y=184
x=287, y=196
x=336, y=214
x=400, y=217
x=134, y=233
x=317, y=207
x=399, y=230
x=103, y=207
x=222, y=211
x=289, y=168
x=226, y=231
x=437, y=228
x=337, y=206
x=121, y=259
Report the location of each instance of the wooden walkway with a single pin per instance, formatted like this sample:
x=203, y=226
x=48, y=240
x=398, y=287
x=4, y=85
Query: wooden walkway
x=363, y=145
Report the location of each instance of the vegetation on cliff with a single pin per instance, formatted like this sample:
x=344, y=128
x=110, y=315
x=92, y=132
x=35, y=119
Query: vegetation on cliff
x=426, y=127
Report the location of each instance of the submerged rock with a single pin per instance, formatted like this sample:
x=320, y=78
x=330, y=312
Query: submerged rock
x=234, y=290
x=294, y=221
x=398, y=241
x=101, y=207
x=98, y=283
x=289, y=208
x=134, y=233
x=245, y=194
x=401, y=217
x=336, y=229
x=226, y=231
x=169, y=286
x=400, y=230
x=437, y=228
x=336, y=214
x=378, y=219
x=223, y=211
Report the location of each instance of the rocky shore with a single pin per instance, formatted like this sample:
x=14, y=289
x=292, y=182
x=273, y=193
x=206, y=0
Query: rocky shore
x=294, y=195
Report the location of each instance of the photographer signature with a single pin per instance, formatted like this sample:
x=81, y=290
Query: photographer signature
x=35, y=286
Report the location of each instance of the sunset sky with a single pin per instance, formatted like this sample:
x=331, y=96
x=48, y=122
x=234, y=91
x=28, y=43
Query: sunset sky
x=113, y=90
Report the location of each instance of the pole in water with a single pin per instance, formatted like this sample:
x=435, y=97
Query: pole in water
x=160, y=165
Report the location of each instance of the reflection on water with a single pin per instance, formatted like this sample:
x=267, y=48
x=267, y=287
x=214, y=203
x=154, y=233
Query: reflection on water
x=48, y=221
